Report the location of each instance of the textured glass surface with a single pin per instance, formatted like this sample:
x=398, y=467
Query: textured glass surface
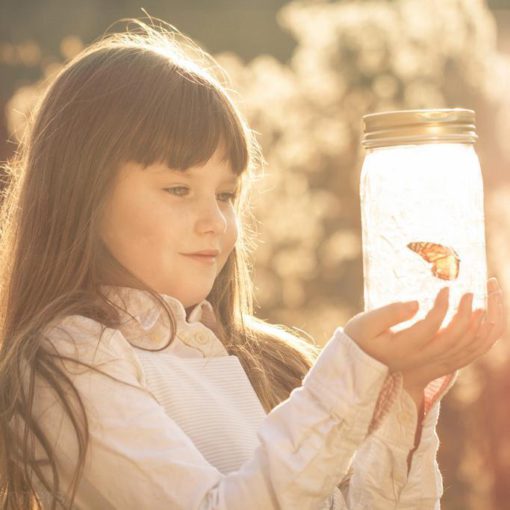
x=430, y=193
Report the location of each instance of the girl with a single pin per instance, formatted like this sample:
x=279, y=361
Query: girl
x=132, y=371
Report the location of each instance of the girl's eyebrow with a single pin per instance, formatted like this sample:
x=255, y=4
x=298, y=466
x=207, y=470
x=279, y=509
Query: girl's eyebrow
x=233, y=179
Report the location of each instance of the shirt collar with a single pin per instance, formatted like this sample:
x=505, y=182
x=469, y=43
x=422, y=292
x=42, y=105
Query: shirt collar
x=144, y=322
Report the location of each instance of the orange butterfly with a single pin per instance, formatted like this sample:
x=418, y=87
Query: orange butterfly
x=445, y=261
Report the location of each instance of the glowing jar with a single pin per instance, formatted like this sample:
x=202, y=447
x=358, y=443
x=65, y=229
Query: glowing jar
x=422, y=209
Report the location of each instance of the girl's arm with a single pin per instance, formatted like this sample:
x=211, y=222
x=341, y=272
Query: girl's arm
x=380, y=469
x=405, y=472
x=138, y=457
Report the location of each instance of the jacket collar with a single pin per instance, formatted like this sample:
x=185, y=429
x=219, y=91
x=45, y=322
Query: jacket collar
x=144, y=322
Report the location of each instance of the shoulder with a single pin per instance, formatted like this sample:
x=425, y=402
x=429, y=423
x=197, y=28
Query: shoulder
x=79, y=327
x=77, y=334
x=77, y=338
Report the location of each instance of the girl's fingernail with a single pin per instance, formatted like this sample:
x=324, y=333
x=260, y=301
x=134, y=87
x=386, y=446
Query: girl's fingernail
x=479, y=314
x=466, y=301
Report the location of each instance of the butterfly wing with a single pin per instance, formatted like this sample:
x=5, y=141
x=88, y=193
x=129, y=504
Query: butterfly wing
x=445, y=261
x=446, y=268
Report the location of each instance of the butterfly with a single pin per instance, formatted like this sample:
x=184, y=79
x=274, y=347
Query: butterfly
x=445, y=261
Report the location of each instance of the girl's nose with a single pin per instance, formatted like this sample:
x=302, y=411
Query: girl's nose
x=211, y=218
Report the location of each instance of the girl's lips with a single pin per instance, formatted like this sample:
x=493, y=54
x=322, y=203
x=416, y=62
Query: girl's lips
x=206, y=259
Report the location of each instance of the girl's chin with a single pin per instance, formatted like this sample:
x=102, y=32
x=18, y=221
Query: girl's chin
x=192, y=301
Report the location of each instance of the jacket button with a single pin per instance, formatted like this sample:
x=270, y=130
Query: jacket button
x=201, y=338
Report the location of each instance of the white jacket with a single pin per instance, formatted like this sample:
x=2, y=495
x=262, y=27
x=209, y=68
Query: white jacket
x=184, y=429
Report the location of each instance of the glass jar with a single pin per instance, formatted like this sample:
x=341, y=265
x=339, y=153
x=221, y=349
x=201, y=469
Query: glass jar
x=422, y=210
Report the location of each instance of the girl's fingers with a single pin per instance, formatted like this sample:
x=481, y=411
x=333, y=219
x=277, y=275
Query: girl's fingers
x=485, y=330
x=502, y=315
x=494, y=323
x=423, y=330
x=469, y=348
x=492, y=301
x=479, y=316
x=481, y=346
x=470, y=340
x=460, y=322
x=449, y=342
x=373, y=323
x=496, y=310
x=491, y=328
x=443, y=363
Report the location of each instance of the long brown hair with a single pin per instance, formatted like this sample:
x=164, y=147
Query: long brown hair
x=146, y=94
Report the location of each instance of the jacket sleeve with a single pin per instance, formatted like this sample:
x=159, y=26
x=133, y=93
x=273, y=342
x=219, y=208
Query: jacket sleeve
x=380, y=476
x=424, y=487
x=138, y=456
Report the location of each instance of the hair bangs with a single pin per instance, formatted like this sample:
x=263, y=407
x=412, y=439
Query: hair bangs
x=187, y=126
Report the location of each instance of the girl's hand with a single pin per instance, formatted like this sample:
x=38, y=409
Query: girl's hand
x=423, y=344
x=491, y=329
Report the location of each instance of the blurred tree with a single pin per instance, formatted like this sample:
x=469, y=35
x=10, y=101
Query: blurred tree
x=32, y=33
x=499, y=4
x=354, y=58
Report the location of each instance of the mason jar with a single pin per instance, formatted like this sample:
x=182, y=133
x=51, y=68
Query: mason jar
x=422, y=209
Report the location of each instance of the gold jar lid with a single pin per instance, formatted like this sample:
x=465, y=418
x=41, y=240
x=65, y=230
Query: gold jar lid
x=410, y=127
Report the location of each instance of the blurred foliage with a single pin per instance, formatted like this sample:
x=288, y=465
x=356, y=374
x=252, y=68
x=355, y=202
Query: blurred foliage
x=36, y=34
x=248, y=25
x=352, y=58
x=499, y=4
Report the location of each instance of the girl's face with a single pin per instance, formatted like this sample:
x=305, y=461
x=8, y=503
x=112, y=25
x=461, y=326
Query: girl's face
x=155, y=216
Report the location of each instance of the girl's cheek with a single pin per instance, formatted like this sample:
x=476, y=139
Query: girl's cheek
x=234, y=226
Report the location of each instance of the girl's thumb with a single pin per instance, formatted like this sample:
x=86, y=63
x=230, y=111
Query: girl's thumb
x=378, y=320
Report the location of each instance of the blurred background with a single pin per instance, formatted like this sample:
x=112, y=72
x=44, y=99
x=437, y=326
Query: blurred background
x=304, y=73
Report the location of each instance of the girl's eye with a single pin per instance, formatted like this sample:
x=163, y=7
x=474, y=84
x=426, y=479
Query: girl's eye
x=177, y=190
x=181, y=191
x=230, y=197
